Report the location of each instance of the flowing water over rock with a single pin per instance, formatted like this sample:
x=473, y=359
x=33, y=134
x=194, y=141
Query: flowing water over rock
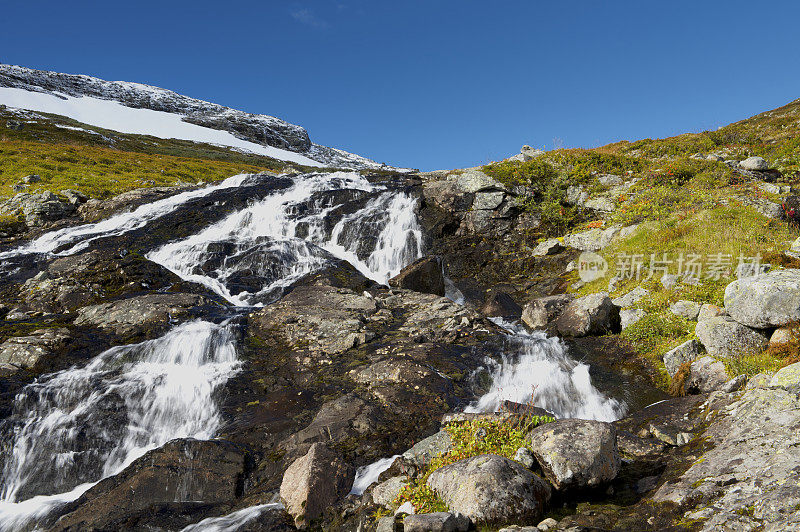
x=537, y=370
x=73, y=428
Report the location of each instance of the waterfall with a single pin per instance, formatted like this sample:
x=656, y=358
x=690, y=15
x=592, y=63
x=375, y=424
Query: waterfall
x=72, y=428
x=83, y=235
x=537, y=370
x=83, y=424
x=283, y=237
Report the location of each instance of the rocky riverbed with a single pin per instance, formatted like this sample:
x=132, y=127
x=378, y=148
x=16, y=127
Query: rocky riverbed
x=327, y=356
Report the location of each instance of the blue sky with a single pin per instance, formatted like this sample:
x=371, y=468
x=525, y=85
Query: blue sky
x=436, y=84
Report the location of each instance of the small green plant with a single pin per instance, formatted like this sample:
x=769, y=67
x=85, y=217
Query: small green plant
x=470, y=438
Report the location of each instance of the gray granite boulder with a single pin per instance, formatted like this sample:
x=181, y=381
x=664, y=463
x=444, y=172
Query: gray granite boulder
x=576, y=453
x=491, y=489
x=724, y=337
x=767, y=300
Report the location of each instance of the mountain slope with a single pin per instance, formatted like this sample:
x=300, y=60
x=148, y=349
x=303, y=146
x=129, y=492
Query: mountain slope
x=143, y=109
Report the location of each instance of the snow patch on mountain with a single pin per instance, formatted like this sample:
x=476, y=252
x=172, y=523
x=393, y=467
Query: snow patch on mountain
x=163, y=113
x=110, y=114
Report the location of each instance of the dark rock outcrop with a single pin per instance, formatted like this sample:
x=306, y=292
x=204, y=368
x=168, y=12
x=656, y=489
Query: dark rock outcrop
x=423, y=275
x=194, y=474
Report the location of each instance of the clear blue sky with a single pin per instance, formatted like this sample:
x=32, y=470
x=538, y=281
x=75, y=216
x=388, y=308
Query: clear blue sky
x=436, y=84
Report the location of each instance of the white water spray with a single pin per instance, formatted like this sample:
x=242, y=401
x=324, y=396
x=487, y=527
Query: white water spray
x=155, y=391
x=537, y=370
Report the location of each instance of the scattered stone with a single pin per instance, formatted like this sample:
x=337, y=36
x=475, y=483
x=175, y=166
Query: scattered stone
x=423, y=275
x=772, y=188
x=783, y=335
x=669, y=280
x=786, y=377
x=609, y=180
x=426, y=450
x=685, y=309
x=576, y=453
x=725, y=337
x=593, y=239
x=628, y=317
x=491, y=489
x=576, y=195
x=548, y=247
x=436, y=522
x=547, y=524
x=754, y=163
x=735, y=384
x=388, y=490
x=589, y=315
x=670, y=434
x=31, y=179
x=761, y=380
x=75, y=197
x=314, y=482
x=707, y=310
x=540, y=312
x=525, y=457
x=706, y=375
x=686, y=352
x=768, y=300
x=632, y=297
x=601, y=203
x=15, y=125
x=388, y=524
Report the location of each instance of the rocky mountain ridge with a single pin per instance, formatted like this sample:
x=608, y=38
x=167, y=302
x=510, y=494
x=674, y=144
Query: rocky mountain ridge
x=260, y=129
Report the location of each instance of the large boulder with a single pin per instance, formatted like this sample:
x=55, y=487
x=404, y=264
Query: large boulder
x=706, y=375
x=589, y=315
x=497, y=303
x=491, y=489
x=423, y=275
x=768, y=300
x=787, y=377
x=685, y=309
x=686, y=352
x=541, y=311
x=182, y=471
x=725, y=337
x=754, y=163
x=632, y=297
x=576, y=453
x=593, y=239
x=314, y=482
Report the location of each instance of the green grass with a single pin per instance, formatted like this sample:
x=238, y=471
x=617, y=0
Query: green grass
x=469, y=439
x=109, y=163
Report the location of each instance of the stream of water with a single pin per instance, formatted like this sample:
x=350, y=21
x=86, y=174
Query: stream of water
x=75, y=427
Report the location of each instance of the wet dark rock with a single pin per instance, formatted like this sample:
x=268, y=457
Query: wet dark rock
x=594, y=314
x=182, y=471
x=24, y=352
x=500, y=304
x=423, y=275
x=142, y=316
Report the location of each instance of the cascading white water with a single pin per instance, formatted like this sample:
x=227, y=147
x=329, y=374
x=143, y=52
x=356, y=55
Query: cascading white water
x=265, y=239
x=83, y=235
x=233, y=521
x=157, y=390
x=537, y=370
x=80, y=425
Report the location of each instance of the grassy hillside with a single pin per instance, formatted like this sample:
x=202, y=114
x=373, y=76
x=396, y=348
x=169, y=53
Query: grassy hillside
x=683, y=202
x=103, y=163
